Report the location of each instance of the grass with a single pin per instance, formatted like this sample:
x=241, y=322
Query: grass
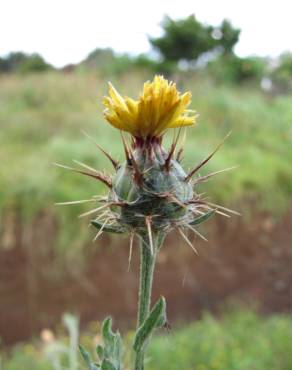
x=239, y=340
x=41, y=118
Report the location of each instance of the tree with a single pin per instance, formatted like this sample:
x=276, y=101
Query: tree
x=34, y=63
x=183, y=39
x=11, y=62
x=187, y=39
x=226, y=36
x=282, y=74
x=24, y=63
x=107, y=62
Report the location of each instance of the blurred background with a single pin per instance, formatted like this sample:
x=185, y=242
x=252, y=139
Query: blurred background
x=230, y=306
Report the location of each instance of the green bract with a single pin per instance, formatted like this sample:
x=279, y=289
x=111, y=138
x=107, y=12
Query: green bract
x=151, y=188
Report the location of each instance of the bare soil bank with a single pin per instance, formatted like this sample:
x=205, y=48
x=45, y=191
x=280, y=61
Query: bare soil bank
x=247, y=262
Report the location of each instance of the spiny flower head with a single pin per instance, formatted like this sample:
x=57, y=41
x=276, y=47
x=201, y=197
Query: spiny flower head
x=150, y=193
x=159, y=107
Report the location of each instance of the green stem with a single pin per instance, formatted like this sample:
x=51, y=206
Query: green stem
x=147, y=264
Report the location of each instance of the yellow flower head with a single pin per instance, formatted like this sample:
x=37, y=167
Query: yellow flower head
x=159, y=107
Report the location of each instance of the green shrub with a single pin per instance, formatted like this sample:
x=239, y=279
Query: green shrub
x=20, y=62
x=282, y=74
x=232, y=69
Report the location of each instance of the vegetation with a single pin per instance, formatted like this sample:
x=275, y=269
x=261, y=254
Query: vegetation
x=106, y=62
x=229, y=69
x=23, y=63
x=240, y=340
x=188, y=39
x=282, y=74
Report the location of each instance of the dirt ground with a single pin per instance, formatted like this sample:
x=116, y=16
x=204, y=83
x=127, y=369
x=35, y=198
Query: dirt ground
x=242, y=261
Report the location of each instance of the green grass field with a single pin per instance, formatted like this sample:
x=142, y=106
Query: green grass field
x=41, y=119
x=240, y=340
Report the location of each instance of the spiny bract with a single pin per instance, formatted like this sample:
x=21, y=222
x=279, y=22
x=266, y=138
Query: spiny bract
x=151, y=188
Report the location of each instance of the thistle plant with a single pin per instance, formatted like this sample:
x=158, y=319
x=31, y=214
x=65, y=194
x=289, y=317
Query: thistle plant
x=150, y=194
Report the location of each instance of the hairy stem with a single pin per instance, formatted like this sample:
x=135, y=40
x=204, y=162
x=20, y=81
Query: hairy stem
x=147, y=264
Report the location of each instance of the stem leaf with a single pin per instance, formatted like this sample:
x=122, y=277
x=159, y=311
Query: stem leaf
x=108, y=365
x=85, y=355
x=87, y=359
x=111, y=353
x=100, y=352
x=155, y=319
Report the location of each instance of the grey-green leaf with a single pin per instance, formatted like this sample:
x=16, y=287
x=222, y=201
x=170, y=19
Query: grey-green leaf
x=100, y=352
x=94, y=367
x=107, y=365
x=86, y=356
x=107, y=332
x=156, y=318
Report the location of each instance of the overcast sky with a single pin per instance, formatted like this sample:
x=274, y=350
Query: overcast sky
x=65, y=31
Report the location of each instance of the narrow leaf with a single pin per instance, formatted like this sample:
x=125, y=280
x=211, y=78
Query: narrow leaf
x=94, y=367
x=100, y=352
x=107, y=365
x=157, y=317
x=107, y=332
x=86, y=356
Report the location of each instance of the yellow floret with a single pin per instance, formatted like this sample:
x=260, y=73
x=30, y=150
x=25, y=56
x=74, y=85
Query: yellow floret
x=159, y=107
